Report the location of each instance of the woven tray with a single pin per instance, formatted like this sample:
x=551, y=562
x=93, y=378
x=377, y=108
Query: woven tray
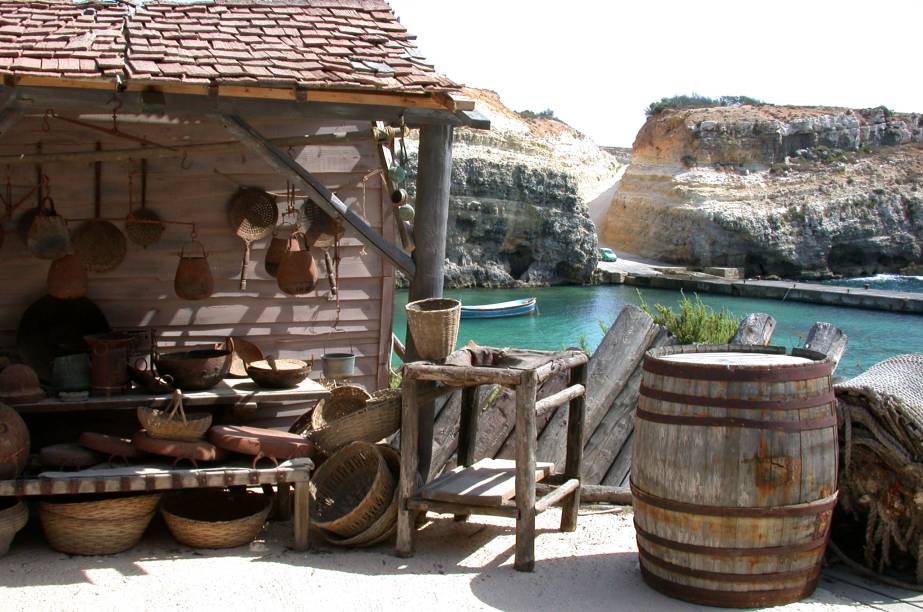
x=351, y=490
x=213, y=518
x=380, y=418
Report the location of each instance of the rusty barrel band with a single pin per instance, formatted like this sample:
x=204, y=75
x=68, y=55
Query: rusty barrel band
x=757, y=578
x=725, y=599
x=816, y=544
x=813, y=508
x=707, y=421
x=710, y=371
x=801, y=403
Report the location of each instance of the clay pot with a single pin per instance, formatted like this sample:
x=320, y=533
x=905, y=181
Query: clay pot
x=48, y=236
x=297, y=272
x=274, y=255
x=14, y=443
x=67, y=278
x=193, y=280
x=19, y=384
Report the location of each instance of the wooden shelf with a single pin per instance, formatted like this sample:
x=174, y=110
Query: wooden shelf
x=489, y=482
x=229, y=392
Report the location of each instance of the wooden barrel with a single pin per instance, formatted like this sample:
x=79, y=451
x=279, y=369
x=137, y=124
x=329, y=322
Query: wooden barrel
x=733, y=473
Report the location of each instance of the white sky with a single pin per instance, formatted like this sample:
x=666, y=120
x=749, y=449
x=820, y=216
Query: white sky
x=599, y=63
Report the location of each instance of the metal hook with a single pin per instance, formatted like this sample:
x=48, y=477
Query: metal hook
x=184, y=163
x=115, y=115
x=46, y=125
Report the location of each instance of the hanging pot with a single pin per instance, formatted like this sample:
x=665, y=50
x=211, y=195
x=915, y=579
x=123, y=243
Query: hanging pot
x=297, y=271
x=142, y=226
x=48, y=236
x=100, y=244
x=193, y=280
x=274, y=254
x=67, y=278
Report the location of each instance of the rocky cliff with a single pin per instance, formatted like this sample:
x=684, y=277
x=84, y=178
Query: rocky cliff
x=518, y=212
x=796, y=192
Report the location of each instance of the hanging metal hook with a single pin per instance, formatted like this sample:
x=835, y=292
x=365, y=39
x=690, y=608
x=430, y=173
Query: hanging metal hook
x=184, y=163
x=46, y=124
x=115, y=115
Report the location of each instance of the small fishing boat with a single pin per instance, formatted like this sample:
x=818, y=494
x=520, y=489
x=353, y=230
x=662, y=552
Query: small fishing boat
x=512, y=308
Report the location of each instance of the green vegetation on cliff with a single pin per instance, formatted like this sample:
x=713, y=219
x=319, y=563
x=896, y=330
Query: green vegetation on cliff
x=695, y=100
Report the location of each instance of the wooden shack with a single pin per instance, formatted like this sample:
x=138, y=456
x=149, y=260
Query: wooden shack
x=178, y=106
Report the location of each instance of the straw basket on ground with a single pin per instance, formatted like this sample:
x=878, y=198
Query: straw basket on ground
x=734, y=473
x=378, y=418
x=351, y=490
x=96, y=525
x=209, y=518
x=433, y=325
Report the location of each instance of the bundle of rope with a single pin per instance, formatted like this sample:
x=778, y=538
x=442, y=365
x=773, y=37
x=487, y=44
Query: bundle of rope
x=881, y=478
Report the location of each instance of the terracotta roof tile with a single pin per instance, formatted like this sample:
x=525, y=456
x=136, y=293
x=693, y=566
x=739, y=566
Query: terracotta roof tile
x=332, y=44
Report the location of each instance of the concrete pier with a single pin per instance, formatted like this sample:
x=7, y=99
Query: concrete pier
x=832, y=295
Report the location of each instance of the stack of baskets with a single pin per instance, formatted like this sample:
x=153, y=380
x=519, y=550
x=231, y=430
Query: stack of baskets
x=96, y=525
x=350, y=414
x=354, y=495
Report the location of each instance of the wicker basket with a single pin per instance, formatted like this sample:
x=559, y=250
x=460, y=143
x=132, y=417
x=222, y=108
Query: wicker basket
x=385, y=526
x=343, y=400
x=433, y=324
x=215, y=518
x=351, y=490
x=380, y=418
x=173, y=423
x=100, y=525
x=14, y=515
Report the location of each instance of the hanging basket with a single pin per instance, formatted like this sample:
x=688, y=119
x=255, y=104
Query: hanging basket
x=433, y=324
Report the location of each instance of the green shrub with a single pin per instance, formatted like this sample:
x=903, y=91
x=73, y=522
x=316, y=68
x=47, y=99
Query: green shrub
x=696, y=322
x=695, y=100
x=545, y=114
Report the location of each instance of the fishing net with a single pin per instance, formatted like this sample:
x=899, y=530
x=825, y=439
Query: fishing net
x=881, y=478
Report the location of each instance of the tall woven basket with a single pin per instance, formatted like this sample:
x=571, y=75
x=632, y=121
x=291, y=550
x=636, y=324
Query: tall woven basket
x=433, y=324
x=103, y=525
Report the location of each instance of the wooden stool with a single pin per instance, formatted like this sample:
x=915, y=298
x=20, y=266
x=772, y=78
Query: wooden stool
x=522, y=371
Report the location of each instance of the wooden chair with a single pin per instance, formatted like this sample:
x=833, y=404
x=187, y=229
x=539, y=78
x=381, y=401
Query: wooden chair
x=523, y=371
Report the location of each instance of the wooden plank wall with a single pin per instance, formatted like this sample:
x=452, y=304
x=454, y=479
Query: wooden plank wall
x=139, y=293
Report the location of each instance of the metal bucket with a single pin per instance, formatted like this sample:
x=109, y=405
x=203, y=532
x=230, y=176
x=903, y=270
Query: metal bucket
x=109, y=359
x=71, y=373
x=338, y=365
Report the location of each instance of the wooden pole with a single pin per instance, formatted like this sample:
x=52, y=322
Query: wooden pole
x=328, y=201
x=406, y=517
x=434, y=174
x=525, y=434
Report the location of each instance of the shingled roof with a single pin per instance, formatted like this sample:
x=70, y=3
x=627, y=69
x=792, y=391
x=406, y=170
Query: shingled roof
x=314, y=44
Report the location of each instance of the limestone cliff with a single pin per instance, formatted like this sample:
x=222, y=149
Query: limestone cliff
x=797, y=192
x=518, y=212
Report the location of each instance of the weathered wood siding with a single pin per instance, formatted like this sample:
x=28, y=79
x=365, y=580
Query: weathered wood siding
x=139, y=293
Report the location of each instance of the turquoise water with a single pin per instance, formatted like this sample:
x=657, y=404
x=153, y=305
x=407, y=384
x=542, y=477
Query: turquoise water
x=568, y=313
x=892, y=282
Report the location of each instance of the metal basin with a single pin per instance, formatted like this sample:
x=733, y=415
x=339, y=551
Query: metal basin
x=195, y=370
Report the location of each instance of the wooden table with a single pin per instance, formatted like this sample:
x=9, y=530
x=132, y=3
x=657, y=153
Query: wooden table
x=237, y=392
x=151, y=478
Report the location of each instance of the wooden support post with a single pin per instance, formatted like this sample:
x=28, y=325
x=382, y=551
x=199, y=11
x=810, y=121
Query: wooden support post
x=525, y=472
x=467, y=432
x=434, y=173
x=302, y=518
x=756, y=328
x=324, y=198
x=283, y=502
x=406, y=518
x=576, y=421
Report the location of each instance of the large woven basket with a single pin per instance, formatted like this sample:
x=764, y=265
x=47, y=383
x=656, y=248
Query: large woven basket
x=96, y=525
x=351, y=490
x=386, y=525
x=14, y=514
x=215, y=518
x=380, y=418
x=173, y=423
x=433, y=324
x=343, y=400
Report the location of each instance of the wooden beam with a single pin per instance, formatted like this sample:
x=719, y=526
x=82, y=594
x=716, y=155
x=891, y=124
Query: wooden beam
x=324, y=198
x=756, y=328
x=154, y=152
x=619, y=496
x=558, y=399
x=827, y=339
x=189, y=99
x=554, y=497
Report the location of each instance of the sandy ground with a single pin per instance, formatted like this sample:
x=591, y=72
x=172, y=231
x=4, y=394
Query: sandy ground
x=458, y=566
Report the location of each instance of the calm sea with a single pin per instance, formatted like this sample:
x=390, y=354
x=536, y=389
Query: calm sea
x=568, y=313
